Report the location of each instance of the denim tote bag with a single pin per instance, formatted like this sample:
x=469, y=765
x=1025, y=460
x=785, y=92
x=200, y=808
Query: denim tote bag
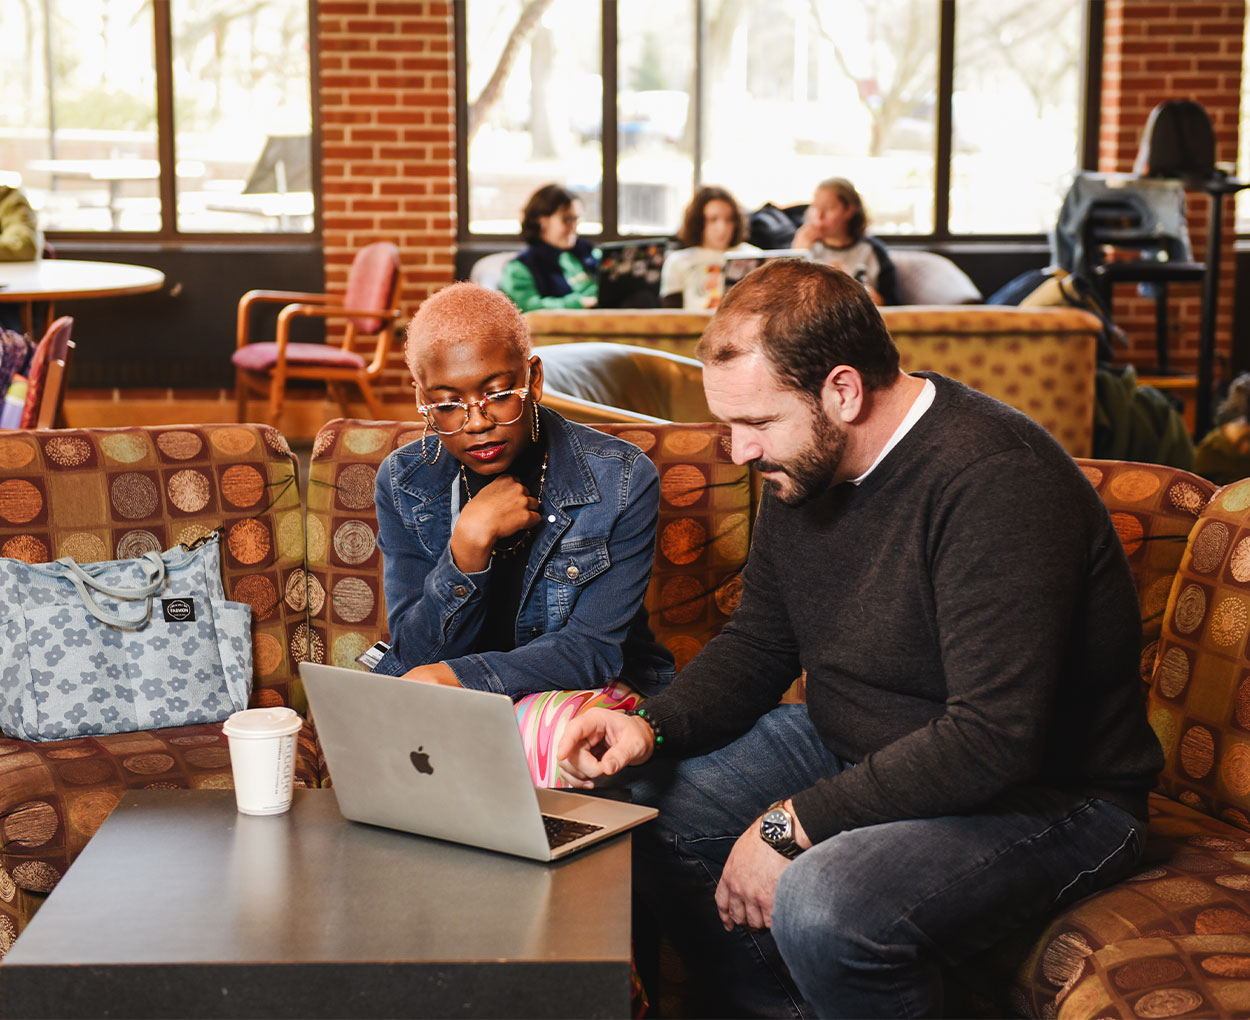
x=120, y=645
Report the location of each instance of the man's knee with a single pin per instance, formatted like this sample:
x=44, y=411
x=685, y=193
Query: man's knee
x=807, y=907
x=824, y=899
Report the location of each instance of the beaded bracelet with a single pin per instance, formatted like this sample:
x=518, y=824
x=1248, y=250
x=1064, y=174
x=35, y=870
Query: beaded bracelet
x=641, y=713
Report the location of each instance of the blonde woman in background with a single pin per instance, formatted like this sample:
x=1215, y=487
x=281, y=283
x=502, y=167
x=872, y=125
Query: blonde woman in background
x=835, y=231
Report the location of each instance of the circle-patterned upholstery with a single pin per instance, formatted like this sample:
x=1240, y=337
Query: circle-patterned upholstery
x=1153, y=508
x=1174, y=939
x=1200, y=698
x=96, y=494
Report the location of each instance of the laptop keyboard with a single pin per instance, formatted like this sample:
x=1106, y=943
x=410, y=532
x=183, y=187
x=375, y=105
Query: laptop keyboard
x=565, y=830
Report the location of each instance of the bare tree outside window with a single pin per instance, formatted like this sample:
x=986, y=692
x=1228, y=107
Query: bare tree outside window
x=535, y=91
x=243, y=114
x=771, y=96
x=1015, y=114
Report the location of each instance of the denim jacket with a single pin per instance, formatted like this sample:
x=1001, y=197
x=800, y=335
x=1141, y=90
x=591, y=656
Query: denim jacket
x=581, y=622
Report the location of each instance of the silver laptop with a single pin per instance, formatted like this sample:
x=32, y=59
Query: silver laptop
x=447, y=762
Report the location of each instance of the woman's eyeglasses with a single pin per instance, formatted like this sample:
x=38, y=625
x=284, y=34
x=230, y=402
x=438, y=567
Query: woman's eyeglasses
x=451, y=416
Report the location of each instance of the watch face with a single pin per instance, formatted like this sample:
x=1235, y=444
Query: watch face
x=775, y=826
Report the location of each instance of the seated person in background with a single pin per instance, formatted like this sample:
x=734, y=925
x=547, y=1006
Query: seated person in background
x=1223, y=456
x=556, y=269
x=835, y=230
x=713, y=225
x=517, y=563
x=20, y=240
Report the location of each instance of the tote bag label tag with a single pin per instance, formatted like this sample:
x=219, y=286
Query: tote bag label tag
x=178, y=610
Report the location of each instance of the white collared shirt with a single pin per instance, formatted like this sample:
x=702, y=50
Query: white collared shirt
x=921, y=404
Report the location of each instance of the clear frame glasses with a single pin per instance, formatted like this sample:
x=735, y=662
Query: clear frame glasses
x=451, y=416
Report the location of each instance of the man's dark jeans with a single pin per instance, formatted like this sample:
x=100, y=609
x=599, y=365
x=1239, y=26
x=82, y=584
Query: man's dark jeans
x=865, y=921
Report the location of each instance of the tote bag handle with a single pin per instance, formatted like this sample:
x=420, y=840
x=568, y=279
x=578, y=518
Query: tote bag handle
x=153, y=566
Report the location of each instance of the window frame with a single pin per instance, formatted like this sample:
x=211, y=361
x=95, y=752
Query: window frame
x=1088, y=124
x=169, y=236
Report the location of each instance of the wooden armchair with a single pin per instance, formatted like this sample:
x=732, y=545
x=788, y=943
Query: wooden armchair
x=370, y=308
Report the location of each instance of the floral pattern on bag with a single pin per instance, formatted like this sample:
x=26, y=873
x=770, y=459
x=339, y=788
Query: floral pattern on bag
x=64, y=673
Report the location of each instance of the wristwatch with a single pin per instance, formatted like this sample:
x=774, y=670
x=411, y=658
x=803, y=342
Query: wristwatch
x=777, y=830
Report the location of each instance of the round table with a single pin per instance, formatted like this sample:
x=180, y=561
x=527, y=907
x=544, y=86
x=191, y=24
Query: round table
x=57, y=279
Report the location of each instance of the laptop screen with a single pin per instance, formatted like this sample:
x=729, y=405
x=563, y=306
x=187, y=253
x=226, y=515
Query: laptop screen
x=629, y=273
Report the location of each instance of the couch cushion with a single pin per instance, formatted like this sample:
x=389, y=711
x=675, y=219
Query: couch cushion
x=656, y=383
x=372, y=282
x=703, y=533
x=1204, y=727
x=1171, y=940
x=701, y=544
x=927, y=278
x=261, y=357
x=53, y=797
x=97, y=494
x=1153, y=508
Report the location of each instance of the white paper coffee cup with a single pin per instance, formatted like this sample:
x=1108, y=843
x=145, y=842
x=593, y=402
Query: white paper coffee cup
x=262, y=758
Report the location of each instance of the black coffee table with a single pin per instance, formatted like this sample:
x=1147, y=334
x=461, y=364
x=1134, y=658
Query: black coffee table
x=180, y=906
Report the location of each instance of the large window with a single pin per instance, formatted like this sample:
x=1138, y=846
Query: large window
x=163, y=117
x=953, y=118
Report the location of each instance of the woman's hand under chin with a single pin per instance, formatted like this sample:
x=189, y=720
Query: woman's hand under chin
x=501, y=509
x=434, y=673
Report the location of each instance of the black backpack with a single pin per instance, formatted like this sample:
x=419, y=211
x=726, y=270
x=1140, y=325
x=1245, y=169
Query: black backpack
x=1178, y=141
x=771, y=228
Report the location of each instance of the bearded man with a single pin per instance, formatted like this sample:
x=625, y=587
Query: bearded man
x=973, y=754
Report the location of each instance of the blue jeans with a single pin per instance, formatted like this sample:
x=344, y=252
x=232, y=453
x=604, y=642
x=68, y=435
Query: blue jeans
x=864, y=922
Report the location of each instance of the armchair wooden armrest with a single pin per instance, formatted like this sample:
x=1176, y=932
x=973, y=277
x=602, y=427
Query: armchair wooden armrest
x=256, y=297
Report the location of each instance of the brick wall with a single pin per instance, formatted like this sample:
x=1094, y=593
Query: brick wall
x=387, y=104
x=1173, y=49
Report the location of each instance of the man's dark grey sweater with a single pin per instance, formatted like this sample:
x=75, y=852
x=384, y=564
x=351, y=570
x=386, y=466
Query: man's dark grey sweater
x=968, y=624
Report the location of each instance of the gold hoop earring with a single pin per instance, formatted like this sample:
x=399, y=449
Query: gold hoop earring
x=534, y=424
x=438, y=446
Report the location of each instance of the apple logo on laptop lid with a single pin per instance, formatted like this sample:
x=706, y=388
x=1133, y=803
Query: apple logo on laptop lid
x=421, y=761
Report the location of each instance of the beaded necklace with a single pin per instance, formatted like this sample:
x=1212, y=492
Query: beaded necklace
x=523, y=539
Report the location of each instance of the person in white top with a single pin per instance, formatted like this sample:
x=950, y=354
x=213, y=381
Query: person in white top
x=713, y=225
x=835, y=230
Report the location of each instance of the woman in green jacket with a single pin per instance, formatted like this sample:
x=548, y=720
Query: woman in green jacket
x=557, y=269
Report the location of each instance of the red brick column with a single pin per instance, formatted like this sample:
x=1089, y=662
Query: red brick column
x=387, y=99
x=1173, y=49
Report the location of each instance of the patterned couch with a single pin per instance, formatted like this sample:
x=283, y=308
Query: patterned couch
x=1039, y=360
x=95, y=494
x=1173, y=940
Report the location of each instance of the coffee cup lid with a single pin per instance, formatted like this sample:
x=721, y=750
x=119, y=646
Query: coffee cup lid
x=263, y=722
